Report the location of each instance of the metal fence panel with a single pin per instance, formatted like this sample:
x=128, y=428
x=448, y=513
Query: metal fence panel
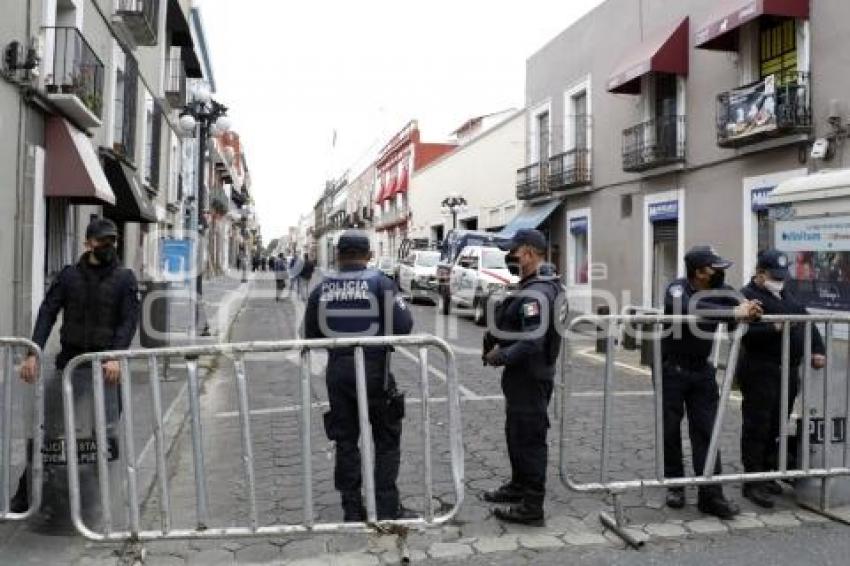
x=106, y=531
x=826, y=471
x=33, y=429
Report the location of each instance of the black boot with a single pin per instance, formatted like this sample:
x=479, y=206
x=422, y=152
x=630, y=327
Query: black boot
x=676, y=497
x=758, y=494
x=352, y=508
x=718, y=506
x=20, y=502
x=508, y=493
x=521, y=513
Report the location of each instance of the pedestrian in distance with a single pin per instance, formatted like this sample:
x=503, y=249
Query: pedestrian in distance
x=687, y=377
x=99, y=302
x=525, y=342
x=759, y=373
x=355, y=302
x=281, y=275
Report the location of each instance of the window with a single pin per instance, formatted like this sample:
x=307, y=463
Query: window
x=118, y=128
x=778, y=49
x=580, y=266
x=580, y=119
x=493, y=259
x=153, y=134
x=543, y=136
x=427, y=259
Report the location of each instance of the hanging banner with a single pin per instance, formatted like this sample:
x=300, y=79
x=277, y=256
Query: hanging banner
x=751, y=110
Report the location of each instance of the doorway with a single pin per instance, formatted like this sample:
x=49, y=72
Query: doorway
x=665, y=257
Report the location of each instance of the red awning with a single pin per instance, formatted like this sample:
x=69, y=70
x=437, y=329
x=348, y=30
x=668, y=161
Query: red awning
x=381, y=191
x=72, y=168
x=721, y=31
x=403, y=181
x=665, y=52
x=392, y=187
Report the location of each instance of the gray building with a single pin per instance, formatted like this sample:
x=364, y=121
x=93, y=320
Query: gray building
x=657, y=125
x=89, y=102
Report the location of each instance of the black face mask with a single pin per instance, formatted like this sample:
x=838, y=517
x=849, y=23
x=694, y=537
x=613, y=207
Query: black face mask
x=513, y=265
x=718, y=278
x=104, y=254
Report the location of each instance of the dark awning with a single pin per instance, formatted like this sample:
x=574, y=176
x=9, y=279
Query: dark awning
x=530, y=217
x=721, y=31
x=132, y=204
x=191, y=63
x=665, y=52
x=72, y=170
x=178, y=25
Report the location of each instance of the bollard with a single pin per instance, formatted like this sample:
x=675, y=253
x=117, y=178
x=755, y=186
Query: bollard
x=601, y=337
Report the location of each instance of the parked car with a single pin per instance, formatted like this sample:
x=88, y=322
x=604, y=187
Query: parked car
x=478, y=275
x=450, y=248
x=417, y=274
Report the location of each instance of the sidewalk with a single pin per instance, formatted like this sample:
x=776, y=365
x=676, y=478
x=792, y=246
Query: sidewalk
x=32, y=543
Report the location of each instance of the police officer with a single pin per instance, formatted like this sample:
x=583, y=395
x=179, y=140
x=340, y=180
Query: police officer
x=100, y=311
x=525, y=341
x=357, y=301
x=760, y=372
x=280, y=275
x=688, y=379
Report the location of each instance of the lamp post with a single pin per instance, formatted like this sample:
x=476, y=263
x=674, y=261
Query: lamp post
x=453, y=204
x=208, y=116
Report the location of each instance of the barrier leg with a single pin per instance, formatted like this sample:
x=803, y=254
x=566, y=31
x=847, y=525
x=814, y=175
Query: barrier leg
x=618, y=524
x=6, y=428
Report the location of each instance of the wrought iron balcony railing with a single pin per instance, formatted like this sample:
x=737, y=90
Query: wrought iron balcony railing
x=775, y=106
x=570, y=169
x=655, y=143
x=532, y=181
x=139, y=17
x=76, y=68
x=175, y=82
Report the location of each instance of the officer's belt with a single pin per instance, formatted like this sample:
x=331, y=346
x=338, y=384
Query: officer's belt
x=686, y=361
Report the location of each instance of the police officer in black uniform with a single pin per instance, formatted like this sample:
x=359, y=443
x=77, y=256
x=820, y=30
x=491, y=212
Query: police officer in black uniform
x=100, y=311
x=357, y=301
x=688, y=379
x=760, y=373
x=525, y=341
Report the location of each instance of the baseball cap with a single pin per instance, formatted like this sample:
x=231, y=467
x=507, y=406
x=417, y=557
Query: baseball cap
x=101, y=228
x=775, y=263
x=353, y=241
x=705, y=256
x=526, y=237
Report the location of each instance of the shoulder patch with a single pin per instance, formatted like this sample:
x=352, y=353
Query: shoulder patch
x=676, y=291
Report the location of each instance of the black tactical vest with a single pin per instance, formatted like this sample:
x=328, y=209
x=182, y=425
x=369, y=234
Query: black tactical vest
x=92, y=307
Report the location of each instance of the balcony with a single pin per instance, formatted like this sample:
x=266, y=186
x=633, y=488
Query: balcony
x=570, y=169
x=532, y=181
x=136, y=21
x=778, y=105
x=655, y=143
x=74, y=80
x=392, y=217
x=175, y=83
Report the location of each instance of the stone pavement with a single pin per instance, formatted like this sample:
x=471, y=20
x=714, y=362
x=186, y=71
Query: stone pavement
x=474, y=535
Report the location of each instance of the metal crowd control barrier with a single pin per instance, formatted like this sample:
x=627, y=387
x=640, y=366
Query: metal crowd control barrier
x=7, y=406
x=824, y=471
x=237, y=352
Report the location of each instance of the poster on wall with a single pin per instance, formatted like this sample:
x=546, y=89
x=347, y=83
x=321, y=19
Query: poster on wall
x=751, y=110
x=819, y=250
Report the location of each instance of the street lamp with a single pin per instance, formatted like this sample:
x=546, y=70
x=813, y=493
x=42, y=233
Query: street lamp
x=208, y=116
x=453, y=204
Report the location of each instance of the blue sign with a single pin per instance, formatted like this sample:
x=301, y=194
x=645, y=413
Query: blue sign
x=177, y=259
x=666, y=210
x=759, y=198
x=578, y=225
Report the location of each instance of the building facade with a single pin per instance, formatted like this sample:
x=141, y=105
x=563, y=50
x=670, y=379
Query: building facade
x=400, y=158
x=711, y=105
x=89, y=100
x=482, y=169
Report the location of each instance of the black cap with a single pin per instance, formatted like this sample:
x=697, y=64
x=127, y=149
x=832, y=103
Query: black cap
x=705, y=256
x=353, y=241
x=101, y=228
x=775, y=263
x=526, y=237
